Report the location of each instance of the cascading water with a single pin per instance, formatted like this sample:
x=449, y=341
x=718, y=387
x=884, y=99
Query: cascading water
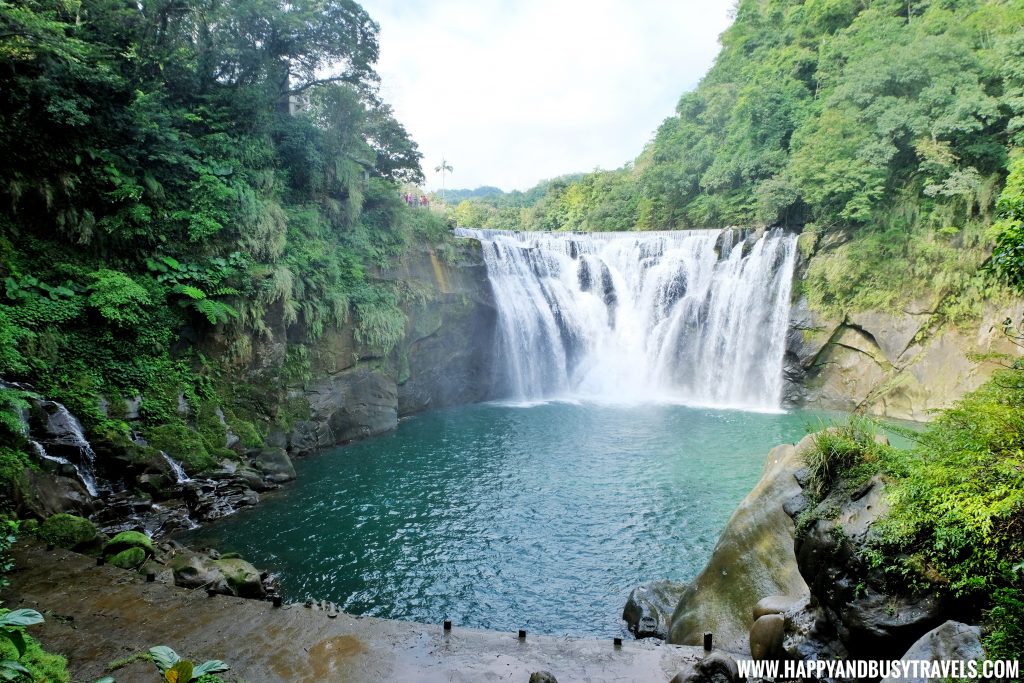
x=65, y=432
x=180, y=477
x=694, y=316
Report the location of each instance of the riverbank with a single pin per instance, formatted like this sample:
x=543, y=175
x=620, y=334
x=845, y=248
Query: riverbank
x=98, y=614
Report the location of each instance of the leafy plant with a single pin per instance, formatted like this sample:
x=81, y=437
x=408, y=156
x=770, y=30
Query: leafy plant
x=12, y=629
x=178, y=670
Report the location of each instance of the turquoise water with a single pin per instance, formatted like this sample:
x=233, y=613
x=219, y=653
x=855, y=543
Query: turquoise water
x=495, y=516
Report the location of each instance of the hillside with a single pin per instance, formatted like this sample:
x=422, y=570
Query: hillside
x=880, y=129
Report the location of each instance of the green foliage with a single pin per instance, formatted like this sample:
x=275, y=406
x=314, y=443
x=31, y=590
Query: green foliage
x=13, y=463
x=163, y=195
x=178, y=670
x=119, y=299
x=66, y=531
x=39, y=664
x=380, y=322
x=1008, y=257
x=14, y=644
x=956, y=503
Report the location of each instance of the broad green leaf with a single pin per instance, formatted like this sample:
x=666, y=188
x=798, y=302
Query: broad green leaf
x=164, y=657
x=106, y=679
x=18, y=639
x=21, y=617
x=11, y=665
x=211, y=666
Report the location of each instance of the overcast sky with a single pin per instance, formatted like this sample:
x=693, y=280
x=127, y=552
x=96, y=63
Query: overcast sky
x=511, y=92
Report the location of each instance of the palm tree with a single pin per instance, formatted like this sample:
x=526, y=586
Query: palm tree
x=442, y=169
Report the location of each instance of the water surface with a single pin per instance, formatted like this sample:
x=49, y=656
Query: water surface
x=505, y=517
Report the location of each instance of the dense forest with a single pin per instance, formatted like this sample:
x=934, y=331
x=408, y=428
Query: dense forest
x=183, y=171
x=891, y=122
x=178, y=173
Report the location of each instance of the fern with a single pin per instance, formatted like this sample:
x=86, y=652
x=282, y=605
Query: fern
x=191, y=292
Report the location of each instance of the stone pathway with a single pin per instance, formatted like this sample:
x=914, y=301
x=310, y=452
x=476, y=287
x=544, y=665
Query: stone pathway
x=95, y=615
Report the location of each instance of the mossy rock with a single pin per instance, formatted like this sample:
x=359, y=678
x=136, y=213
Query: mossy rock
x=67, y=531
x=183, y=444
x=242, y=578
x=128, y=559
x=128, y=539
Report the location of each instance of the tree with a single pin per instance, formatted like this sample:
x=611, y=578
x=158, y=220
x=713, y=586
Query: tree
x=443, y=168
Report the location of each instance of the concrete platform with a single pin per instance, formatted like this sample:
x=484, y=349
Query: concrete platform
x=95, y=615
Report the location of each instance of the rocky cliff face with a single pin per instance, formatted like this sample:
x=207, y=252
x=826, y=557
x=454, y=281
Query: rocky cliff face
x=444, y=358
x=898, y=365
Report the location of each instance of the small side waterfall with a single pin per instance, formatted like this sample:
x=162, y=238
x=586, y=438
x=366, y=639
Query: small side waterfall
x=180, y=477
x=64, y=434
x=694, y=316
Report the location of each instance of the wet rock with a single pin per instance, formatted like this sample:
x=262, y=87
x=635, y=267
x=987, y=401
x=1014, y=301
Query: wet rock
x=48, y=494
x=753, y=559
x=648, y=611
x=717, y=667
x=870, y=620
x=766, y=637
x=193, y=570
x=131, y=407
x=275, y=464
x=242, y=578
x=542, y=677
x=950, y=641
x=212, y=499
x=778, y=604
x=228, y=576
x=354, y=404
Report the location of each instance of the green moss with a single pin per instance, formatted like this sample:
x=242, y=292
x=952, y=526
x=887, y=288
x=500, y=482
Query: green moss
x=210, y=427
x=46, y=667
x=182, y=443
x=67, y=531
x=128, y=559
x=126, y=540
x=13, y=480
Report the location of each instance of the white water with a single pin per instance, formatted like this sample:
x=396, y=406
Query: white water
x=89, y=482
x=64, y=422
x=696, y=316
x=179, y=472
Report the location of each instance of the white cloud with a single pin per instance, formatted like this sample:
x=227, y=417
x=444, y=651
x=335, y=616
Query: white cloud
x=511, y=93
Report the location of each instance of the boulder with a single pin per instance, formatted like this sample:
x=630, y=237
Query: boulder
x=766, y=637
x=753, y=559
x=275, y=465
x=869, y=620
x=129, y=539
x=194, y=570
x=130, y=558
x=241, y=577
x=67, y=531
x=648, y=611
x=543, y=677
x=48, y=494
x=950, y=641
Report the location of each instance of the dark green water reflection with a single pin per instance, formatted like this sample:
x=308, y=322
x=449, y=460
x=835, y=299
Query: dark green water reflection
x=501, y=517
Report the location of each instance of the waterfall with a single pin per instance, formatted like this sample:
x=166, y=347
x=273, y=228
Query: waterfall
x=87, y=480
x=65, y=432
x=179, y=472
x=695, y=316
